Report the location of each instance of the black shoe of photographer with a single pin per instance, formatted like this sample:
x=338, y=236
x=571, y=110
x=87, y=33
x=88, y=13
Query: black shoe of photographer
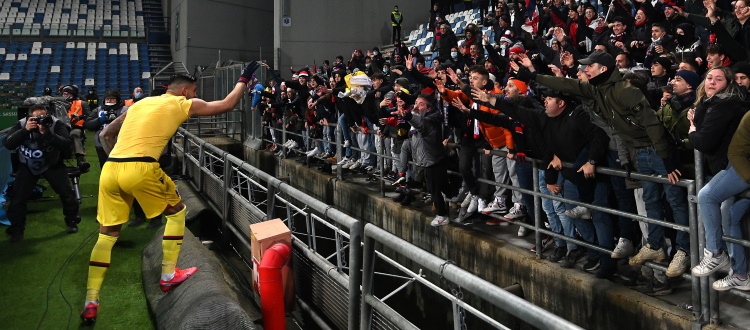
x=16, y=237
x=137, y=222
x=72, y=227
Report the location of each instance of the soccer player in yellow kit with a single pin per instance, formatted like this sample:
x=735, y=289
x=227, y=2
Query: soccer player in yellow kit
x=132, y=171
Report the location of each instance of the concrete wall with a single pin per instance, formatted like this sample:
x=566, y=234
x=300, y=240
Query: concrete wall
x=573, y=294
x=324, y=29
x=240, y=29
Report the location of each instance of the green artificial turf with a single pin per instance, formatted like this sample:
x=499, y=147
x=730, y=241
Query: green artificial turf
x=43, y=278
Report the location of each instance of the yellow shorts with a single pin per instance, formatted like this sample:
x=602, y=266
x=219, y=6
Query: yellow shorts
x=121, y=182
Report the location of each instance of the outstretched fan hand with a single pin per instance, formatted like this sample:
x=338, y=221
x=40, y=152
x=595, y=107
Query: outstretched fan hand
x=247, y=73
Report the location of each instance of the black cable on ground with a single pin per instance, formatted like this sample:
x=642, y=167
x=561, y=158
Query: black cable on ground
x=61, y=270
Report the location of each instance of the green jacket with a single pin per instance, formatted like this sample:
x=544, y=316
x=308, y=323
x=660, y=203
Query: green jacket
x=739, y=149
x=674, y=118
x=622, y=106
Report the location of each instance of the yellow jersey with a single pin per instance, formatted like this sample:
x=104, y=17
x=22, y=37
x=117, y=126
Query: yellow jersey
x=149, y=125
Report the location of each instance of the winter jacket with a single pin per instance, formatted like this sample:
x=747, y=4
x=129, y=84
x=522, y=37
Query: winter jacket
x=674, y=117
x=430, y=128
x=716, y=120
x=623, y=107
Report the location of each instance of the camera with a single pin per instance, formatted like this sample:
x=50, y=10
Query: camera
x=111, y=115
x=43, y=120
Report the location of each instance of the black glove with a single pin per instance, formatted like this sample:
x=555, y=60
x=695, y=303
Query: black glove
x=523, y=74
x=628, y=168
x=669, y=165
x=247, y=73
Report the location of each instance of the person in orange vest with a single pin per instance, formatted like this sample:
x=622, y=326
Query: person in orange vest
x=137, y=96
x=79, y=110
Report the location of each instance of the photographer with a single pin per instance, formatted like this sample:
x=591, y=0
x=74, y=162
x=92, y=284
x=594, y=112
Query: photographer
x=42, y=141
x=98, y=119
x=78, y=112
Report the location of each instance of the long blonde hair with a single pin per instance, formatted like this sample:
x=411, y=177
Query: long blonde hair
x=731, y=88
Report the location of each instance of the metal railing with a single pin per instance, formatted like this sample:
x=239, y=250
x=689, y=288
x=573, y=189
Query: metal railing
x=327, y=245
x=704, y=300
x=705, y=304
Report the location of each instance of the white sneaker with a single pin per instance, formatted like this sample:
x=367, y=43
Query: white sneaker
x=314, y=152
x=355, y=166
x=440, y=220
x=473, y=205
x=481, y=204
x=623, y=249
x=497, y=205
x=369, y=168
x=731, y=282
x=347, y=144
x=343, y=161
x=579, y=212
x=517, y=212
x=710, y=264
x=293, y=144
x=522, y=231
x=467, y=200
x=349, y=164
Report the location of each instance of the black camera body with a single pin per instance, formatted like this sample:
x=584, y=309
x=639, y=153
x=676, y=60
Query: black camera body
x=43, y=120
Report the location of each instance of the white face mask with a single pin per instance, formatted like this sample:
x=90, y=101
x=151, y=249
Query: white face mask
x=109, y=104
x=454, y=54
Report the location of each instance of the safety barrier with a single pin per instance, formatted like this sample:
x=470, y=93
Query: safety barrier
x=704, y=300
x=327, y=246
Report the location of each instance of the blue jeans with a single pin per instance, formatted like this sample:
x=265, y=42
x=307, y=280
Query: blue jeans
x=600, y=229
x=650, y=163
x=526, y=181
x=348, y=152
x=723, y=186
x=555, y=210
x=625, y=199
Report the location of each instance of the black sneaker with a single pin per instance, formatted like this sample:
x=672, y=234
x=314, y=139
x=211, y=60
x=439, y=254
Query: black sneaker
x=591, y=264
x=606, y=274
x=16, y=237
x=558, y=254
x=400, y=198
x=407, y=200
x=72, y=227
x=572, y=258
x=655, y=288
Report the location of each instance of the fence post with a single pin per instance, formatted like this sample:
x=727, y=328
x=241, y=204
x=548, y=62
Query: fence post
x=227, y=195
x=184, y=153
x=709, y=298
x=382, y=166
x=537, y=211
x=201, y=158
x=270, y=201
x=284, y=149
x=368, y=267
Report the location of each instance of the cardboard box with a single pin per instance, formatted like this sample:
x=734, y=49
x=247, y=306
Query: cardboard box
x=264, y=235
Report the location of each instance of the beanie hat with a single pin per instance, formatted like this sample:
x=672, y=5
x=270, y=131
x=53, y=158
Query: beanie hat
x=522, y=86
x=517, y=50
x=303, y=73
x=692, y=78
x=742, y=67
x=504, y=39
x=663, y=61
x=403, y=82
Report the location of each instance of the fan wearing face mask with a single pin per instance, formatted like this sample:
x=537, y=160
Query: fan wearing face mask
x=137, y=96
x=112, y=108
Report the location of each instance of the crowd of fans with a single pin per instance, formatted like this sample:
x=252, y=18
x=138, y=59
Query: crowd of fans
x=636, y=86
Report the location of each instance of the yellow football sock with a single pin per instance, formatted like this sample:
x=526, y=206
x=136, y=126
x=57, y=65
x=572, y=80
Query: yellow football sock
x=172, y=241
x=98, y=265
